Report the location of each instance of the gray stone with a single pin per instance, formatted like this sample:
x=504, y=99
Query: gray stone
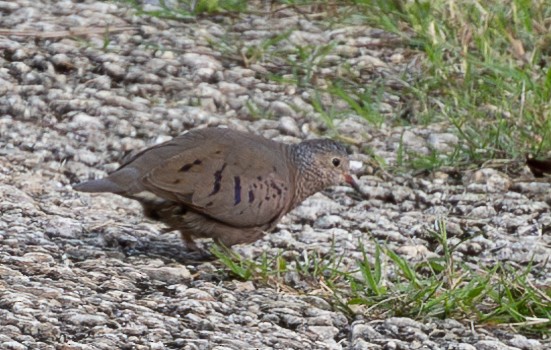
x=443, y=142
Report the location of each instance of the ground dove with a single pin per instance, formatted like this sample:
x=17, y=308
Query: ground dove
x=224, y=184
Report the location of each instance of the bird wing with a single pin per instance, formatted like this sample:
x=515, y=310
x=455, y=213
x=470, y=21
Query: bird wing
x=234, y=181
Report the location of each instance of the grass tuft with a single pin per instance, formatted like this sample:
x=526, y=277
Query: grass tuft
x=386, y=284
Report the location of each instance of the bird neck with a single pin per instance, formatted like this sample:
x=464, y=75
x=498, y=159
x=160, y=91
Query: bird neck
x=307, y=181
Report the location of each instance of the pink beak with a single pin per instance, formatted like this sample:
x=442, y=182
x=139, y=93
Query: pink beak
x=350, y=180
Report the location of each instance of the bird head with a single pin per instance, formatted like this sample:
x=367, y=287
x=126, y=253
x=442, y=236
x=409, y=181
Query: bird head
x=322, y=163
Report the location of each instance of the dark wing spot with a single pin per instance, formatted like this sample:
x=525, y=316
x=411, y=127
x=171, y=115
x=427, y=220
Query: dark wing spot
x=275, y=187
x=209, y=204
x=259, y=178
x=217, y=180
x=188, y=166
x=175, y=182
x=237, y=190
x=251, y=196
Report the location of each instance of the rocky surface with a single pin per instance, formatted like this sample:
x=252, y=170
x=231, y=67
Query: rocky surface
x=83, y=83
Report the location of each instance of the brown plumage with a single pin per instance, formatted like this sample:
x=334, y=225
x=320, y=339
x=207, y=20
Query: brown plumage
x=225, y=184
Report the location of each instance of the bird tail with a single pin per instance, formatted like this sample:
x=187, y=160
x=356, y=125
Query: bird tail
x=101, y=185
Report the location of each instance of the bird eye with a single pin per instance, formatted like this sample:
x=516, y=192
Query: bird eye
x=336, y=162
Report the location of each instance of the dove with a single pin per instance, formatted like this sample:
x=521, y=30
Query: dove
x=223, y=184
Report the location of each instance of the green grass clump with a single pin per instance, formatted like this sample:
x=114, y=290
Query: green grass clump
x=485, y=70
x=386, y=284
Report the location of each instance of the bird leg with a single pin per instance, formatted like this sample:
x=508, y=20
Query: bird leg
x=189, y=242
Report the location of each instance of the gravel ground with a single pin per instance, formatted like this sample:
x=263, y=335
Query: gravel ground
x=88, y=272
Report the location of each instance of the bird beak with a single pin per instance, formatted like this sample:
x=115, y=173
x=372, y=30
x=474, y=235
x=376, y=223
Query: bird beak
x=350, y=180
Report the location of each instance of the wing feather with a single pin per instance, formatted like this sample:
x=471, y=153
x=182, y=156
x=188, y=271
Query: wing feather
x=245, y=186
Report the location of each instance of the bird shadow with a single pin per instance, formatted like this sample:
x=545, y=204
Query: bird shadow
x=169, y=250
x=120, y=244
